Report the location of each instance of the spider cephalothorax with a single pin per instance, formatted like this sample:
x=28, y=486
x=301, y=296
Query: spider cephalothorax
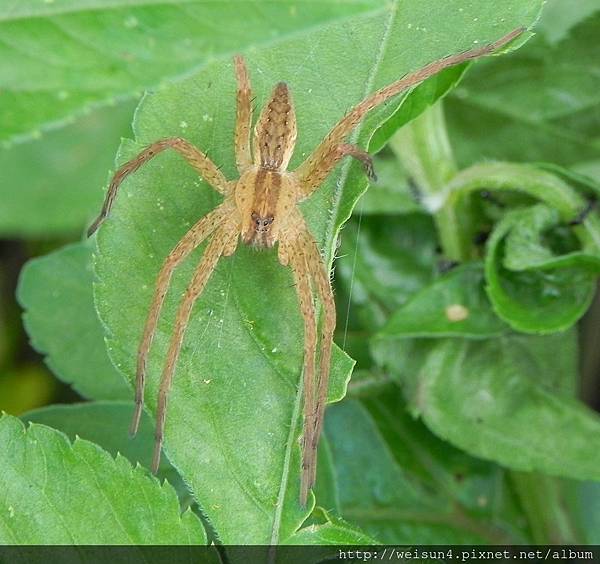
x=260, y=208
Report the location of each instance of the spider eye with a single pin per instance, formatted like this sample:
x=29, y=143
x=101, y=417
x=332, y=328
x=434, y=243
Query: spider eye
x=261, y=222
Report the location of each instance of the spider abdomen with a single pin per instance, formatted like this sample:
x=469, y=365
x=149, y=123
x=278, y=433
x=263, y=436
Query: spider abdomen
x=275, y=132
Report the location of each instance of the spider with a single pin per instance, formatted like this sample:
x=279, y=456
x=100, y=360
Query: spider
x=260, y=209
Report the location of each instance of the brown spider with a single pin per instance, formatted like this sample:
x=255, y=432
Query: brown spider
x=260, y=208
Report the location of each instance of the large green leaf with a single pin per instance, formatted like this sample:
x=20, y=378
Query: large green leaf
x=539, y=103
x=236, y=404
x=105, y=423
x=49, y=186
x=56, y=293
x=507, y=399
x=53, y=491
x=60, y=57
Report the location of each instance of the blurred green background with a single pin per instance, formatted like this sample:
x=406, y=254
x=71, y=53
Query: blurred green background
x=51, y=187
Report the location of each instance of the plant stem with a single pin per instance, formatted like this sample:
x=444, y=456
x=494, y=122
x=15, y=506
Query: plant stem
x=542, y=499
x=424, y=149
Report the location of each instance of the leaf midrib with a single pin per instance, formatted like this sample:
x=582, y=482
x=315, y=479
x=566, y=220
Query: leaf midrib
x=330, y=231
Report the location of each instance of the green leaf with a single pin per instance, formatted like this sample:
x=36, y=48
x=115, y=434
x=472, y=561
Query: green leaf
x=56, y=293
x=507, y=399
x=583, y=178
x=58, y=195
x=529, y=287
x=326, y=488
x=382, y=262
x=527, y=179
x=548, y=184
x=454, y=305
x=61, y=57
x=527, y=245
x=402, y=485
x=236, y=405
x=549, y=510
x=324, y=538
x=105, y=423
x=53, y=490
x=424, y=96
x=330, y=534
x=538, y=104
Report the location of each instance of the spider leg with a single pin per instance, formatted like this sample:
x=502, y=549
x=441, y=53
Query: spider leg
x=317, y=174
x=223, y=242
x=347, y=124
x=323, y=286
x=194, y=237
x=243, y=124
x=300, y=270
x=194, y=156
x=309, y=272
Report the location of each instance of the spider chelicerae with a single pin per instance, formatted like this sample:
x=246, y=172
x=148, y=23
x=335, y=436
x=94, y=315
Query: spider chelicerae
x=260, y=208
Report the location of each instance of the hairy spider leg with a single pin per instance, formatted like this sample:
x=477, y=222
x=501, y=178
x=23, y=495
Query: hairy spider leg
x=223, y=243
x=194, y=156
x=298, y=263
x=322, y=284
x=318, y=174
x=274, y=141
x=192, y=239
x=309, y=176
x=320, y=158
x=243, y=124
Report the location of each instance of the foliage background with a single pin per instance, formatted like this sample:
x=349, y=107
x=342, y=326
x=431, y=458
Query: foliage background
x=503, y=448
